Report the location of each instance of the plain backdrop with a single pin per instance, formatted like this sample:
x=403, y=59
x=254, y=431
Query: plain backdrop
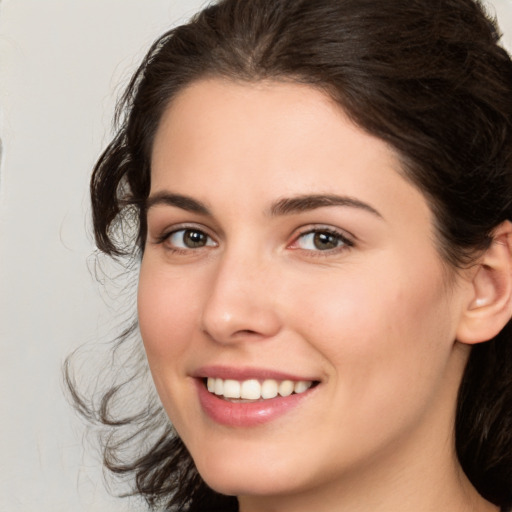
x=62, y=65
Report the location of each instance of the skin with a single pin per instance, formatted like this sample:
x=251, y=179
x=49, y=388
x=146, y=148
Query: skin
x=374, y=319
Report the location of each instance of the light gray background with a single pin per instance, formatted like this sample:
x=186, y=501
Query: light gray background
x=62, y=65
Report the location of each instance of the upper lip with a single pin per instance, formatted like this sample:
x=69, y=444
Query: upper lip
x=246, y=373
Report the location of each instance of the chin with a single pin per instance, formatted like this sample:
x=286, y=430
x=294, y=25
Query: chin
x=234, y=485
x=242, y=478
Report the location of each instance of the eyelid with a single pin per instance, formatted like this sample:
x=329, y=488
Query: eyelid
x=347, y=239
x=184, y=226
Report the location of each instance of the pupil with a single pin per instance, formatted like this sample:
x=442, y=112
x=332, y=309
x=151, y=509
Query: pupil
x=325, y=241
x=194, y=239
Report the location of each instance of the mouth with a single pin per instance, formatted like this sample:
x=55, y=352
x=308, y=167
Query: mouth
x=250, y=397
x=254, y=390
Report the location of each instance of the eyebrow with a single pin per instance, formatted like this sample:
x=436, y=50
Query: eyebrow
x=305, y=203
x=178, y=200
x=285, y=206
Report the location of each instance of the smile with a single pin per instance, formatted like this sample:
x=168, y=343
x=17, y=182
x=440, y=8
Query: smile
x=243, y=398
x=253, y=389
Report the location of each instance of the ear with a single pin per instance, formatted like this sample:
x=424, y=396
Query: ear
x=489, y=307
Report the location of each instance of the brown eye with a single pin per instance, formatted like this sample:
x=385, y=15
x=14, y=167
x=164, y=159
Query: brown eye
x=189, y=239
x=325, y=241
x=321, y=240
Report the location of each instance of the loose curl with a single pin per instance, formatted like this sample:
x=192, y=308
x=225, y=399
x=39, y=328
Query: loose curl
x=426, y=76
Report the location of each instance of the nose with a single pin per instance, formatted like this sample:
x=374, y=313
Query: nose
x=241, y=305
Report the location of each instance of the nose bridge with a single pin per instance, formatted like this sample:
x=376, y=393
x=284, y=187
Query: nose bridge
x=241, y=302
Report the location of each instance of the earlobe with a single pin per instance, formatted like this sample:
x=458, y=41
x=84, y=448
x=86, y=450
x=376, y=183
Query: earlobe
x=490, y=305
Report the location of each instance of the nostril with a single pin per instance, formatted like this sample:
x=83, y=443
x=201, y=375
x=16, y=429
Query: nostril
x=247, y=332
x=233, y=330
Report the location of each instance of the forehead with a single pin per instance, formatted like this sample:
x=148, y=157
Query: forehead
x=268, y=115
x=271, y=139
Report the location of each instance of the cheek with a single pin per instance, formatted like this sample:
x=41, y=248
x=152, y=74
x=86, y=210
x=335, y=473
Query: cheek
x=380, y=326
x=167, y=307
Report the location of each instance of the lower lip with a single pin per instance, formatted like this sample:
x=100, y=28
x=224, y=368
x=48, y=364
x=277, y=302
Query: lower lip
x=246, y=414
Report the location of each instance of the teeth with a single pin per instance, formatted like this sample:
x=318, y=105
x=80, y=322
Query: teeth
x=286, y=388
x=231, y=388
x=250, y=390
x=219, y=387
x=301, y=386
x=253, y=389
x=269, y=389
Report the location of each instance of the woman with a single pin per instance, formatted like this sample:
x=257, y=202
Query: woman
x=320, y=195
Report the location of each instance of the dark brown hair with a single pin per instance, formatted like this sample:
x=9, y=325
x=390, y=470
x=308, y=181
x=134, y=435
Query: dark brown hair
x=426, y=76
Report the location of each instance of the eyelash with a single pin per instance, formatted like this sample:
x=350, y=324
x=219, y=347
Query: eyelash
x=344, y=243
x=166, y=237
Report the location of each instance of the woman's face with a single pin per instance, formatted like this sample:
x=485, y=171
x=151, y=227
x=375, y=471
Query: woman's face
x=286, y=252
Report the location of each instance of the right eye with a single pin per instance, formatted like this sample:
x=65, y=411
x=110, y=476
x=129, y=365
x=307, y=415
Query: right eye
x=189, y=238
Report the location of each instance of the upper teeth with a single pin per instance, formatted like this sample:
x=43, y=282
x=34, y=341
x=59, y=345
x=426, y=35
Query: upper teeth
x=253, y=389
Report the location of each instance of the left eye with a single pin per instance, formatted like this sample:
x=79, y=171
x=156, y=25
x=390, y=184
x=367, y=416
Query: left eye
x=321, y=241
x=189, y=239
